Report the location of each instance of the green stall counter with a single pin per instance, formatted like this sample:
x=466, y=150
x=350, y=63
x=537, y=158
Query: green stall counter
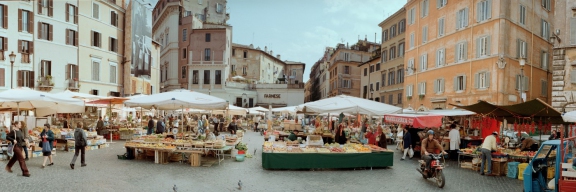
x=326, y=160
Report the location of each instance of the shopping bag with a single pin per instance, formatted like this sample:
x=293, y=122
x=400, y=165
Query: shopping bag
x=411, y=152
x=46, y=147
x=10, y=150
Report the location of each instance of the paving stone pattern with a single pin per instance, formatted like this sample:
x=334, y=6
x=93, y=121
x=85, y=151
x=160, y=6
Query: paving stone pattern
x=106, y=173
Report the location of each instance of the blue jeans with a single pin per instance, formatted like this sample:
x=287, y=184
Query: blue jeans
x=26, y=151
x=486, y=156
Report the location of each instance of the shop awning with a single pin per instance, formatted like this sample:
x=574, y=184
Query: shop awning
x=535, y=109
x=417, y=121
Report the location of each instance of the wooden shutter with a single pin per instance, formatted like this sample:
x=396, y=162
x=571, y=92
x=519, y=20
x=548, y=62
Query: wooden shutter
x=40, y=6
x=75, y=38
x=2, y=77
x=476, y=80
x=5, y=17
x=68, y=66
x=19, y=46
x=526, y=82
x=50, y=7
x=19, y=78
x=436, y=86
x=489, y=9
x=573, y=76
x=67, y=36
x=463, y=82
x=487, y=79
x=92, y=38
x=75, y=69
x=31, y=79
x=112, y=18
x=75, y=14
x=67, y=12
x=40, y=34
x=30, y=47
x=5, y=41
x=488, y=45
x=50, y=32
x=49, y=68
x=30, y=22
x=20, y=20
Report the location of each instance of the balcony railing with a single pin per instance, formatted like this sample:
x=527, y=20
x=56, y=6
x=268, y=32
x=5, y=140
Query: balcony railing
x=46, y=82
x=73, y=85
x=296, y=86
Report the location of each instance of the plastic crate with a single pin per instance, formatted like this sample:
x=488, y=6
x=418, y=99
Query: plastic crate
x=521, y=168
x=513, y=170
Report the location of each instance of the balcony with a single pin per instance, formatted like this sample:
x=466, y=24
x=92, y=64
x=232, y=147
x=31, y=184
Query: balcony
x=73, y=85
x=296, y=86
x=239, y=85
x=45, y=83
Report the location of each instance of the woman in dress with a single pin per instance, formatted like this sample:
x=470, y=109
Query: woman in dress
x=48, y=136
x=340, y=136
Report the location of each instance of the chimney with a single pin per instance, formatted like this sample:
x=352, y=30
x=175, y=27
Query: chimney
x=278, y=56
x=265, y=48
x=251, y=46
x=271, y=52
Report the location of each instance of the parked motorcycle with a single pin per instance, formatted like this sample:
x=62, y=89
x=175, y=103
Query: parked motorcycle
x=436, y=167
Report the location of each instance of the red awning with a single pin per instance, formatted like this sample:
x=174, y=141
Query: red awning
x=417, y=121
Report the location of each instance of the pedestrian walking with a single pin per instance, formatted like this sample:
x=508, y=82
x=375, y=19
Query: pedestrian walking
x=47, y=144
x=80, y=144
x=407, y=140
x=17, y=138
x=454, y=136
x=160, y=126
x=150, y=125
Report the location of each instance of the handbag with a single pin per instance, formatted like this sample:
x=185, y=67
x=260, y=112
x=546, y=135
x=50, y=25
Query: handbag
x=411, y=152
x=10, y=151
x=46, y=146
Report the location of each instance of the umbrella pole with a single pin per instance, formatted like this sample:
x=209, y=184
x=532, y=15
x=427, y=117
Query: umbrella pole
x=110, y=112
x=182, y=124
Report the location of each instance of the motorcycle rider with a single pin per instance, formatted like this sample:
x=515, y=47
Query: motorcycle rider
x=430, y=146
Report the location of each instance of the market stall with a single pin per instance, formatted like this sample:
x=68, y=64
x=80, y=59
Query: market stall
x=282, y=155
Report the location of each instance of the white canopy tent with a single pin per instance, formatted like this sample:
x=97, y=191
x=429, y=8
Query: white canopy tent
x=71, y=94
x=289, y=109
x=444, y=112
x=569, y=116
x=262, y=109
x=254, y=112
x=44, y=103
x=178, y=99
x=232, y=110
x=188, y=110
x=348, y=104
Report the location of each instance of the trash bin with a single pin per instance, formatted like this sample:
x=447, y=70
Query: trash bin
x=513, y=170
x=521, y=168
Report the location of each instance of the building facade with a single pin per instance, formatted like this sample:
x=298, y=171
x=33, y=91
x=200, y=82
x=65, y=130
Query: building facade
x=459, y=52
x=391, y=70
x=564, y=64
x=344, y=71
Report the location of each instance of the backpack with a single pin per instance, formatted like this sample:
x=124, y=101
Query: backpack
x=79, y=137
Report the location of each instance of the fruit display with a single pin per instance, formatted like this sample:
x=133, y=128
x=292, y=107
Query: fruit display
x=267, y=149
x=309, y=150
x=332, y=145
x=323, y=150
x=363, y=149
x=279, y=149
x=337, y=150
x=268, y=144
x=351, y=151
x=180, y=142
x=292, y=143
x=294, y=150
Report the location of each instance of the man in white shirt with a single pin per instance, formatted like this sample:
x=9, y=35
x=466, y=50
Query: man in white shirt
x=454, y=136
x=488, y=146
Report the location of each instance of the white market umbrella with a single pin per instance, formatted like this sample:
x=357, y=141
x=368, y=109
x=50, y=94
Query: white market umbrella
x=178, y=99
x=569, y=116
x=71, y=94
x=238, y=78
x=232, y=110
x=254, y=112
x=259, y=109
x=348, y=104
x=289, y=109
x=44, y=103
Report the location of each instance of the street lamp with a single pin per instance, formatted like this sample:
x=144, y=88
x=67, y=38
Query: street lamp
x=371, y=93
x=12, y=59
x=521, y=84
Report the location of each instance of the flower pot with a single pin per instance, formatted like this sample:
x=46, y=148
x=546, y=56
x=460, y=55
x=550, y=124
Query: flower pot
x=241, y=152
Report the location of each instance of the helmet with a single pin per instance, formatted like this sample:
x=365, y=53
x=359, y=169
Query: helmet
x=430, y=132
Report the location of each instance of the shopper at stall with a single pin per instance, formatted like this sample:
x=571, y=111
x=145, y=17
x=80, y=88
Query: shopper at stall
x=340, y=136
x=160, y=126
x=488, y=146
x=292, y=136
x=454, y=136
x=47, y=137
x=209, y=135
x=528, y=144
x=17, y=138
x=553, y=136
x=99, y=125
x=407, y=140
x=150, y=125
x=80, y=142
x=232, y=126
x=371, y=137
x=383, y=142
x=430, y=146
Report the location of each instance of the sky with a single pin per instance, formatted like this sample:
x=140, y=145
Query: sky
x=300, y=30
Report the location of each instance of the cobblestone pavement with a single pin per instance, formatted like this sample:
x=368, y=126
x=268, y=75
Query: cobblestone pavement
x=106, y=173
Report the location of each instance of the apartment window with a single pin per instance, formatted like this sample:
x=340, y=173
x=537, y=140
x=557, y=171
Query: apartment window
x=206, y=77
x=440, y=57
x=384, y=56
x=522, y=81
x=544, y=88
x=44, y=31
x=184, y=34
x=391, y=79
x=96, y=39
x=207, y=37
x=219, y=8
x=48, y=4
x=392, y=53
x=461, y=51
x=184, y=53
x=522, y=15
x=233, y=67
x=24, y=46
x=26, y=21
x=114, y=18
x=462, y=18
x=521, y=48
x=441, y=27
x=206, y=54
x=441, y=3
x=439, y=86
x=411, y=66
x=95, y=71
x=411, y=16
x=195, y=76
x=245, y=54
x=545, y=30
x=390, y=99
x=482, y=80
x=113, y=73
x=402, y=26
x=244, y=70
x=383, y=79
x=233, y=52
x=346, y=83
x=45, y=68
x=4, y=19
x=483, y=10
x=365, y=71
x=393, y=31
x=3, y=47
x=409, y=90
x=71, y=13
x=377, y=66
x=346, y=57
x=25, y=78
x=422, y=88
x=411, y=40
x=377, y=86
x=544, y=60
x=424, y=10
x=460, y=83
x=399, y=98
x=371, y=68
x=401, y=49
x=71, y=37
x=371, y=87
x=423, y=62
x=385, y=35
x=546, y=4
x=424, y=34
x=72, y=72
x=95, y=11
x=483, y=46
x=113, y=45
x=218, y=78
x=400, y=76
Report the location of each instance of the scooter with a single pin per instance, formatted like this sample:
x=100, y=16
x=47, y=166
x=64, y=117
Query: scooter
x=435, y=171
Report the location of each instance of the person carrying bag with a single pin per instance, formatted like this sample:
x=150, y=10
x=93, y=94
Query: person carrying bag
x=80, y=144
x=17, y=138
x=47, y=144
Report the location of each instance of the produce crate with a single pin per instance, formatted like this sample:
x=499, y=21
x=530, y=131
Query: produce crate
x=499, y=168
x=195, y=159
x=521, y=168
x=466, y=165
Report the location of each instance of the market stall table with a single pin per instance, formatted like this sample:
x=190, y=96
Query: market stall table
x=326, y=160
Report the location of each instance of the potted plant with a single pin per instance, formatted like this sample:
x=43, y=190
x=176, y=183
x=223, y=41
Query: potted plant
x=241, y=147
x=409, y=97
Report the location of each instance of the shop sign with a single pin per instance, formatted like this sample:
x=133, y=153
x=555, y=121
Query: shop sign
x=275, y=96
